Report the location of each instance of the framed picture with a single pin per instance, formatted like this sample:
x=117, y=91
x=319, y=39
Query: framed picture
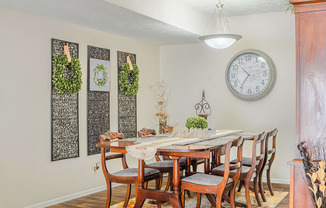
x=99, y=75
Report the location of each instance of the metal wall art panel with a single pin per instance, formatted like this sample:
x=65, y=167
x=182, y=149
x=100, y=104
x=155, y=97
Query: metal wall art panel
x=64, y=113
x=98, y=96
x=127, y=104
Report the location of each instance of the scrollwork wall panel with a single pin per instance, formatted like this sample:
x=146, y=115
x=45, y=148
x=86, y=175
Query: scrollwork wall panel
x=64, y=114
x=127, y=104
x=98, y=105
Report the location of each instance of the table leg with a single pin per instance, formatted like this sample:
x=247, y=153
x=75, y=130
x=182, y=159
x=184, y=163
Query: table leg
x=175, y=199
x=141, y=175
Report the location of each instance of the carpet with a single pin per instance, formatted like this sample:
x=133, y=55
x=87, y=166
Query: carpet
x=272, y=201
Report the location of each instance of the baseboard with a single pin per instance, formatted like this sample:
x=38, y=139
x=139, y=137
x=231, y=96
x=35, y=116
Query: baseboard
x=280, y=181
x=70, y=197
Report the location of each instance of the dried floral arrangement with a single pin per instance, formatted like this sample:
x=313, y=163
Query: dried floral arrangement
x=161, y=97
x=312, y=151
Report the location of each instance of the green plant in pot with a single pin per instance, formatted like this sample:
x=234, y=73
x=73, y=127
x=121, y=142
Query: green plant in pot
x=196, y=123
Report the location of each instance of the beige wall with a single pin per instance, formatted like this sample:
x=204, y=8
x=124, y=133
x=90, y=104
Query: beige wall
x=189, y=69
x=27, y=175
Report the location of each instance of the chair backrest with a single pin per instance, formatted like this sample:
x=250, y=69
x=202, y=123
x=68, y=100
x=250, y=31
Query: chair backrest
x=271, y=151
x=260, y=139
x=107, y=136
x=145, y=132
x=230, y=167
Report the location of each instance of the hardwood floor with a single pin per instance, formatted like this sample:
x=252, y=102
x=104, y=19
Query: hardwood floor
x=98, y=200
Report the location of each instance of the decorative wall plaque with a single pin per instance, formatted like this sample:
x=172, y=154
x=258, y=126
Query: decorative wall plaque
x=64, y=113
x=98, y=96
x=127, y=104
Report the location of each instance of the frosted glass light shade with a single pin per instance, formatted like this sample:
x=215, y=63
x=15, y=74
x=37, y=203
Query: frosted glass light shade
x=220, y=41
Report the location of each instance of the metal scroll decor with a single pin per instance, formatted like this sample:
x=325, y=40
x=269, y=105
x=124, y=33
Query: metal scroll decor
x=203, y=109
x=127, y=108
x=98, y=96
x=64, y=113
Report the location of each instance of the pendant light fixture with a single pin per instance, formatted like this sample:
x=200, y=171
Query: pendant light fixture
x=223, y=37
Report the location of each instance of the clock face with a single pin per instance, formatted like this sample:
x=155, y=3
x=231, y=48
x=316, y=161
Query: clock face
x=250, y=74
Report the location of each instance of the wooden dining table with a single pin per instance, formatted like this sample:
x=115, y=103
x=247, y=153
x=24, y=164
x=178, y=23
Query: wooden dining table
x=209, y=148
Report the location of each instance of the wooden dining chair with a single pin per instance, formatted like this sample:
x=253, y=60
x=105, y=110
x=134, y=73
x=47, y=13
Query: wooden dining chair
x=214, y=186
x=268, y=161
x=126, y=176
x=248, y=172
x=165, y=165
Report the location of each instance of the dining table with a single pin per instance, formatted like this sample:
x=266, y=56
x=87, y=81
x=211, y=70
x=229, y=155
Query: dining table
x=210, y=148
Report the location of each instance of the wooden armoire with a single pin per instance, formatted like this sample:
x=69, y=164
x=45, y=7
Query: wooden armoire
x=310, y=18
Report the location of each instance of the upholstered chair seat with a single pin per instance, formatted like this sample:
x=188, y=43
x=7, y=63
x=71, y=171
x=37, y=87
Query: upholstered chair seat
x=244, y=169
x=167, y=163
x=133, y=172
x=205, y=179
x=246, y=161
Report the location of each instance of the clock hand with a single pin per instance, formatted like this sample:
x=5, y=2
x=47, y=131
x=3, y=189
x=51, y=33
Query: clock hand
x=245, y=71
x=244, y=80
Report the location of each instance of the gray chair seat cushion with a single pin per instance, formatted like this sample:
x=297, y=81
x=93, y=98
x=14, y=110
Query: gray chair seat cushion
x=245, y=161
x=245, y=169
x=205, y=179
x=133, y=172
x=167, y=163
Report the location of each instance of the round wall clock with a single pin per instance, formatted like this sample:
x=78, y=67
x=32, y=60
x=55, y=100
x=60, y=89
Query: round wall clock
x=250, y=74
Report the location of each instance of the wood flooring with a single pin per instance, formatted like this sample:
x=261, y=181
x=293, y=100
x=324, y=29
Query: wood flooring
x=98, y=200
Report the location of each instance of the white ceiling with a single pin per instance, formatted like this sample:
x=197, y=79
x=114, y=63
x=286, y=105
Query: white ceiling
x=238, y=7
x=160, y=22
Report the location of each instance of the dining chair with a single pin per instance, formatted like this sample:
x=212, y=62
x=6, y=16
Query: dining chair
x=268, y=161
x=165, y=165
x=248, y=172
x=126, y=176
x=214, y=186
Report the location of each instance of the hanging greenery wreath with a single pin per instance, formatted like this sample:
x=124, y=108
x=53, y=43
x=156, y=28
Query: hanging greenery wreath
x=129, y=79
x=69, y=82
x=100, y=68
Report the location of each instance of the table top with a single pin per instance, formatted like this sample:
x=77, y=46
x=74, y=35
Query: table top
x=193, y=145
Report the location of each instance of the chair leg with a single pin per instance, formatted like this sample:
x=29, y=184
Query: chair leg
x=127, y=195
x=194, y=167
x=232, y=198
x=145, y=185
x=269, y=182
x=108, y=195
x=247, y=183
x=240, y=186
x=198, y=200
x=158, y=183
x=168, y=183
x=188, y=194
x=256, y=191
x=261, y=187
x=183, y=197
x=219, y=201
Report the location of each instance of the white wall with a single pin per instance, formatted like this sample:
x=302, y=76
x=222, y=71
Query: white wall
x=189, y=69
x=27, y=175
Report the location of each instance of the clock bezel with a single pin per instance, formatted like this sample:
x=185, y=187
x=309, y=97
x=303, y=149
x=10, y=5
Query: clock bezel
x=272, y=71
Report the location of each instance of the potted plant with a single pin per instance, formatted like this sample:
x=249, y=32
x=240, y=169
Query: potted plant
x=196, y=123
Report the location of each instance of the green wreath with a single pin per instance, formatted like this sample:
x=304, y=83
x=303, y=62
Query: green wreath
x=100, y=68
x=62, y=83
x=129, y=79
